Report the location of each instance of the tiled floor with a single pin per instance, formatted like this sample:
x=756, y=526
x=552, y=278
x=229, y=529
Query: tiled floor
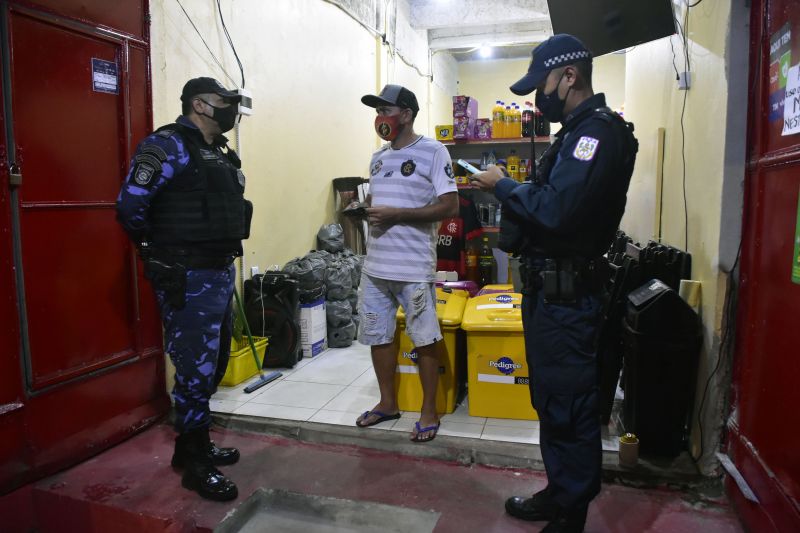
x=338, y=385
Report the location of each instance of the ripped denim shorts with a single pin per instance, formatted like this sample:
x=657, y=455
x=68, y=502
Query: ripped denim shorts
x=377, y=303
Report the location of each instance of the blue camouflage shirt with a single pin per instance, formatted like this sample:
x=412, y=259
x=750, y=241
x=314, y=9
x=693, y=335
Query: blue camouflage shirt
x=158, y=158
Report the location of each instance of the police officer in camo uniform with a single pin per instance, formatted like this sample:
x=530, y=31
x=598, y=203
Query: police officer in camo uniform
x=562, y=222
x=182, y=204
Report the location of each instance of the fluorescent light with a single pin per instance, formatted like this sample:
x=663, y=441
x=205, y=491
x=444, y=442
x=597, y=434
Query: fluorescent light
x=485, y=51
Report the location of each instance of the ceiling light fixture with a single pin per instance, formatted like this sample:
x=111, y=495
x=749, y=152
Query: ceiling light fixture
x=485, y=51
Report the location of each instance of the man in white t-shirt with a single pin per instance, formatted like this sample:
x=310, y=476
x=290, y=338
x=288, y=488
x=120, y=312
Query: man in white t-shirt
x=411, y=189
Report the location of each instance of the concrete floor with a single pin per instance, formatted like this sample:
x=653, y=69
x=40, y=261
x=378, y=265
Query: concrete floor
x=133, y=488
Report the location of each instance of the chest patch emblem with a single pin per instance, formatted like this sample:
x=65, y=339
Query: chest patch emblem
x=585, y=149
x=407, y=168
x=376, y=168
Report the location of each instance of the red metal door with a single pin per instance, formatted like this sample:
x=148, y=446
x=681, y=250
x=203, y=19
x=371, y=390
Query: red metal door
x=88, y=364
x=765, y=426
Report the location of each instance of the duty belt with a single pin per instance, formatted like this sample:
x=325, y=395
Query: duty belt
x=592, y=274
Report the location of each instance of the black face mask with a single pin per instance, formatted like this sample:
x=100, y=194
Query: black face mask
x=225, y=117
x=551, y=106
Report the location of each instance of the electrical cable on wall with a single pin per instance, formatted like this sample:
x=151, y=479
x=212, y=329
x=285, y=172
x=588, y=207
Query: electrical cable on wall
x=230, y=42
x=205, y=43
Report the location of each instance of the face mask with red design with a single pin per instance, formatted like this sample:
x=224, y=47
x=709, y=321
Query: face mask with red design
x=387, y=127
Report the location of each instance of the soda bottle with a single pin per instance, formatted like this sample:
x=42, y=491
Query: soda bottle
x=498, y=124
x=513, y=165
x=471, y=264
x=486, y=264
x=508, y=122
x=517, y=121
x=497, y=116
x=527, y=120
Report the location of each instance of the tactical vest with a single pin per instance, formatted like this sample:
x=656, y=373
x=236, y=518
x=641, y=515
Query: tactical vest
x=594, y=237
x=202, y=210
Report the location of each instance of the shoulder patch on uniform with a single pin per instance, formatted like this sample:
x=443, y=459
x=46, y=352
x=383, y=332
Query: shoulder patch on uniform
x=143, y=173
x=376, y=167
x=585, y=149
x=448, y=170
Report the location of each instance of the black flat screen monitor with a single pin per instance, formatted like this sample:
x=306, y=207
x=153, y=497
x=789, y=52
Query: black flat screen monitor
x=609, y=25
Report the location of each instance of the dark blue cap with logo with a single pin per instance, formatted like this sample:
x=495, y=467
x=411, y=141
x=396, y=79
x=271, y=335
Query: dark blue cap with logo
x=557, y=51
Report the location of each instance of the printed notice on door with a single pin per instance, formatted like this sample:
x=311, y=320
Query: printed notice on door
x=105, y=78
x=791, y=104
x=796, y=257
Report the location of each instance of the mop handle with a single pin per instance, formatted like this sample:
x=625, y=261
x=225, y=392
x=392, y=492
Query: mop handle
x=247, y=329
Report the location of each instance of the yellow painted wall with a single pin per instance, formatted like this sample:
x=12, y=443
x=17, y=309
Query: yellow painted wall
x=307, y=64
x=489, y=81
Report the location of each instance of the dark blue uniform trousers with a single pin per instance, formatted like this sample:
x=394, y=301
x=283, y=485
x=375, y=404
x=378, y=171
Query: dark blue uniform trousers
x=560, y=346
x=198, y=341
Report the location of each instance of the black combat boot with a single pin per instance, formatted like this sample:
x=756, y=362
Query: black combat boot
x=199, y=473
x=539, y=507
x=218, y=456
x=568, y=521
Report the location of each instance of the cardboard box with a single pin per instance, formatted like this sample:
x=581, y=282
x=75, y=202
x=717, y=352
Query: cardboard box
x=483, y=128
x=313, y=328
x=463, y=128
x=465, y=106
x=444, y=132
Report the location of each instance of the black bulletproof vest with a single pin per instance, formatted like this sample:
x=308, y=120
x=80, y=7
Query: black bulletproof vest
x=202, y=210
x=600, y=220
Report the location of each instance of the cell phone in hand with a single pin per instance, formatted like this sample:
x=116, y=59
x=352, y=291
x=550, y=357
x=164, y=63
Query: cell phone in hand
x=468, y=167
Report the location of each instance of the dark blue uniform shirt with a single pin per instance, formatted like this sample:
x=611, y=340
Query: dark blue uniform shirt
x=579, y=202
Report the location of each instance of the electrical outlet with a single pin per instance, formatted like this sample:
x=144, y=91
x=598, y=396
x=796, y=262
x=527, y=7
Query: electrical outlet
x=253, y=270
x=684, y=81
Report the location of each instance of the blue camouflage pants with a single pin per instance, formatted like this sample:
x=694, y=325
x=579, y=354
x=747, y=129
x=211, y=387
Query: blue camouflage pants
x=560, y=346
x=198, y=341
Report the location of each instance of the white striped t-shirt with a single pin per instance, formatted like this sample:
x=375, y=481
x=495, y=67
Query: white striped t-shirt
x=414, y=176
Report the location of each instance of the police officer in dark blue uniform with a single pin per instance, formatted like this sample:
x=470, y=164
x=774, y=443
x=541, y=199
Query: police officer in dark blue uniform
x=562, y=221
x=182, y=204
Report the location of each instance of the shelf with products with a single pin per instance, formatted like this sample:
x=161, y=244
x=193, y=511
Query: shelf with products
x=472, y=150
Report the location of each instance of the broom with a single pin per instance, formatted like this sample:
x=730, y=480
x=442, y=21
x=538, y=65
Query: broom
x=262, y=379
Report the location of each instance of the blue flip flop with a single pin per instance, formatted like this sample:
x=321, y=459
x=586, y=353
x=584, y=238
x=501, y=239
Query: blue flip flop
x=382, y=417
x=420, y=430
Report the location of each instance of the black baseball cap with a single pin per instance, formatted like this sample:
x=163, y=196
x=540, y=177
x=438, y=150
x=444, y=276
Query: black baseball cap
x=558, y=50
x=197, y=86
x=392, y=95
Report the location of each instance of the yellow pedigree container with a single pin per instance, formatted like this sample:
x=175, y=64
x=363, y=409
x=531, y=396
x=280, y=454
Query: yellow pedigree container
x=496, y=367
x=444, y=132
x=449, y=308
x=241, y=365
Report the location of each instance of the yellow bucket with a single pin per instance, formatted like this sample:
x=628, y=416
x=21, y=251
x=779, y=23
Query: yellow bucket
x=241, y=365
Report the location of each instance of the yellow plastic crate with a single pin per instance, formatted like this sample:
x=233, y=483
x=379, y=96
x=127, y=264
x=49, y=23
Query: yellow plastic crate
x=449, y=309
x=497, y=372
x=241, y=365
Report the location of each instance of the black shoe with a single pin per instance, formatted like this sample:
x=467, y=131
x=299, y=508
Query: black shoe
x=209, y=483
x=218, y=456
x=569, y=521
x=193, y=453
x=539, y=507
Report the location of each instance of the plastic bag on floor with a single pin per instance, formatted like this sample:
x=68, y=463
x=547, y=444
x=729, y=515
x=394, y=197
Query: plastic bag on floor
x=330, y=237
x=338, y=313
x=343, y=336
x=339, y=280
